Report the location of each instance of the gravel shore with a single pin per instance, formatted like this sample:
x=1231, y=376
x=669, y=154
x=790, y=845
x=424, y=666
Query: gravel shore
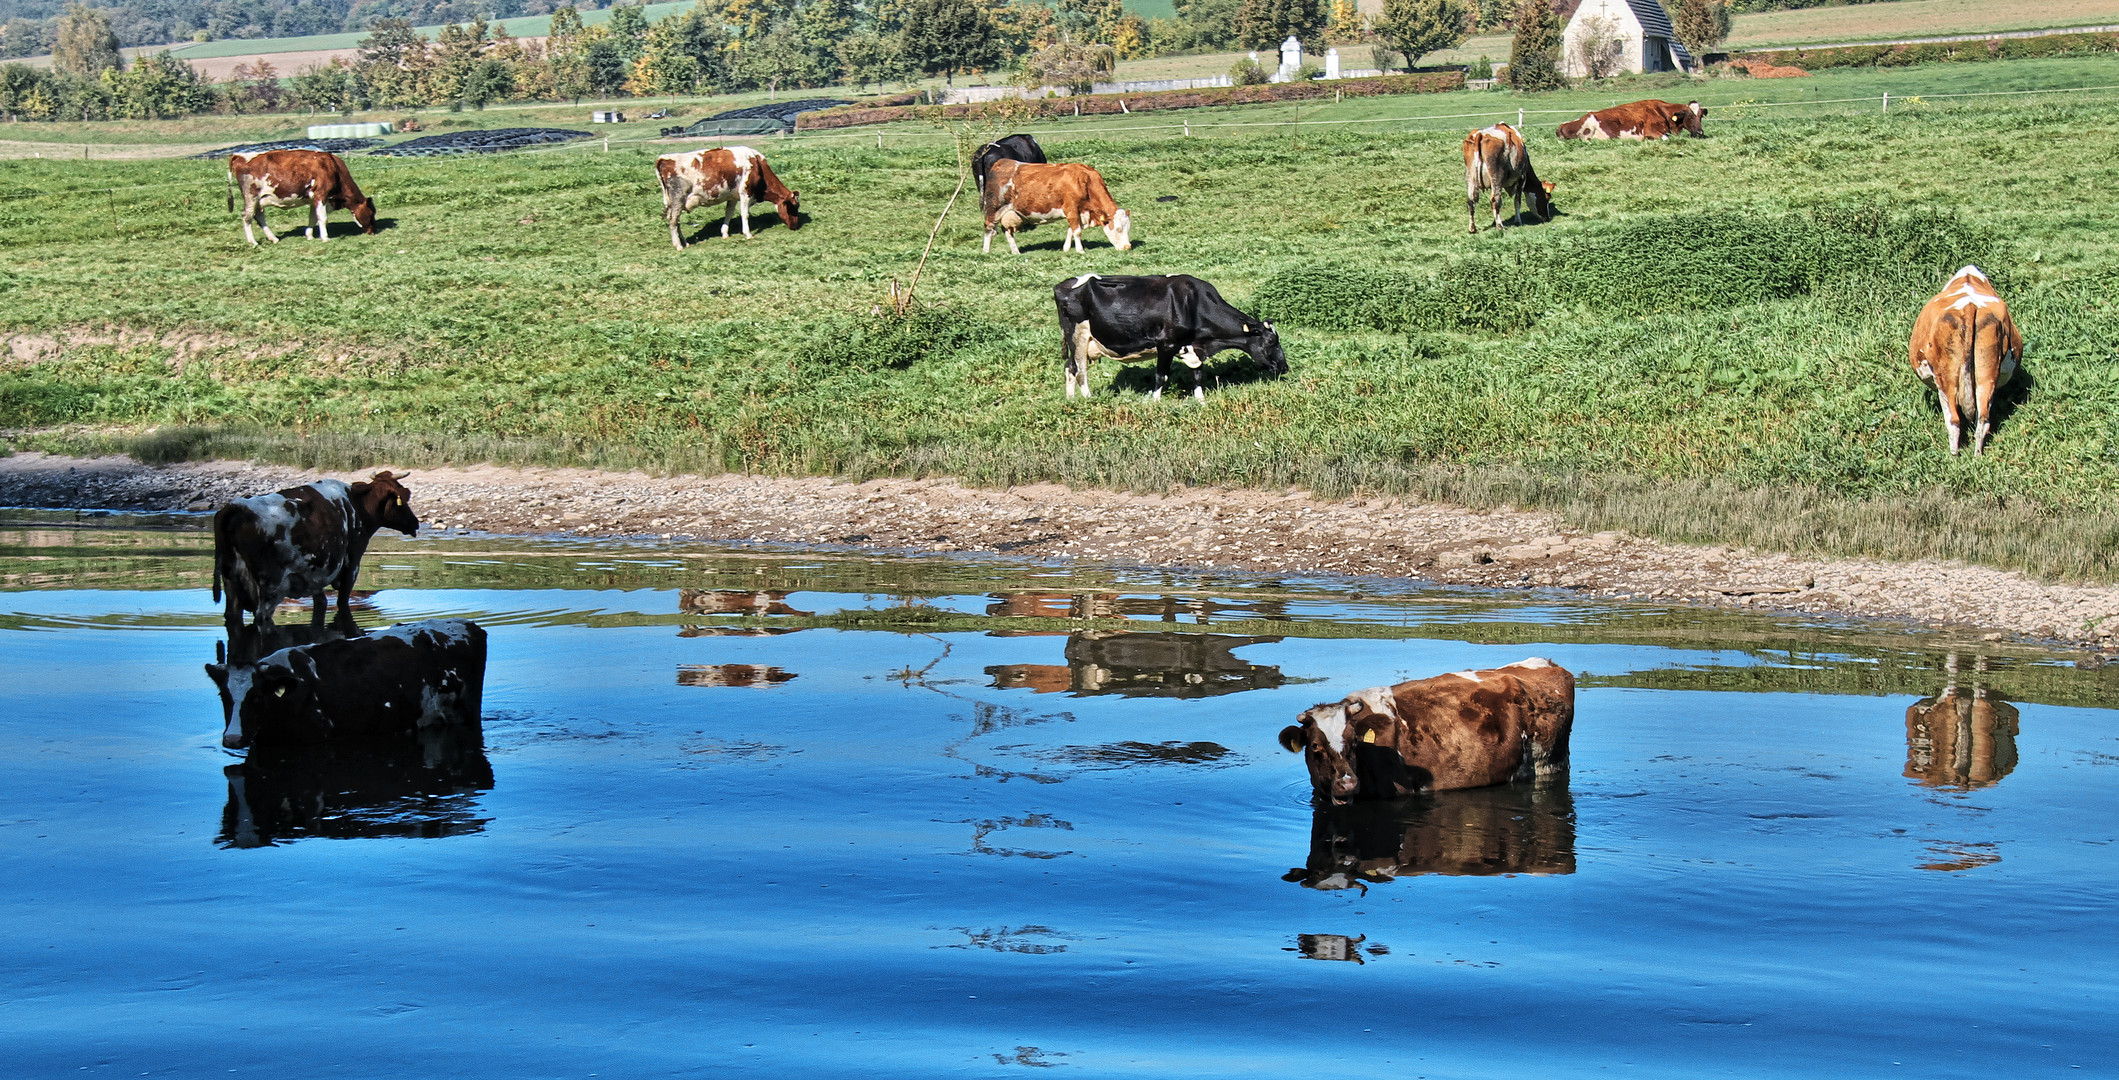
x=1201, y=529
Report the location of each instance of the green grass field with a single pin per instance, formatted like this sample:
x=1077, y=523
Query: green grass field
x=1708, y=343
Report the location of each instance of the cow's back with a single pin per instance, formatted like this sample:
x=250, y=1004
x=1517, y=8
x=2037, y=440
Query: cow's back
x=1466, y=730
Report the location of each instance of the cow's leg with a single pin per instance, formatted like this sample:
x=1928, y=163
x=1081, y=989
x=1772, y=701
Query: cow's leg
x=743, y=207
x=1192, y=360
x=232, y=608
x=728, y=210
x=265, y=224
x=1471, y=206
x=1949, y=417
x=250, y=210
x=1012, y=248
x=319, y=604
x=1162, y=371
x=987, y=248
x=323, y=214
x=1497, y=207
x=676, y=229
x=1985, y=406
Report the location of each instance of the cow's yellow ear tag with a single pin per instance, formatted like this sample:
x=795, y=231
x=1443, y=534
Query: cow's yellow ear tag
x=1369, y=736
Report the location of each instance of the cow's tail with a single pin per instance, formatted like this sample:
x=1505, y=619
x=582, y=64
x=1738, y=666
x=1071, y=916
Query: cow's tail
x=1968, y=372
x=231, y=196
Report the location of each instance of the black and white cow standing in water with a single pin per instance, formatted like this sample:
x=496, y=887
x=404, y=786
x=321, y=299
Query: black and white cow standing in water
x=1006, y=148
x=302, y=541
x=378, y=688
x=1174, y=317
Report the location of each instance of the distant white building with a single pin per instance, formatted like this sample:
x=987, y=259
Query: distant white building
x=1641, y=28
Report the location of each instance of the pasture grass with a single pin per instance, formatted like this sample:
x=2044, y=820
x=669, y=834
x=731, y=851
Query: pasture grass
x=1707, y=344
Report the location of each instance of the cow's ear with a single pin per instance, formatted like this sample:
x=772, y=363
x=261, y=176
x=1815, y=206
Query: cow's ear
x=1291, y=739
x=1548, y=187
x=219, y=674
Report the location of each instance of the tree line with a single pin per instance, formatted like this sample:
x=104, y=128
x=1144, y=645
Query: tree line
x=728, y=46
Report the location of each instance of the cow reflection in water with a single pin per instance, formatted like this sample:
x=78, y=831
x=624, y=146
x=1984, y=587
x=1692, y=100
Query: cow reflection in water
x=1960, y=738
x=427, y=788
x=731, y=675
x=1517, y=828
x=1145, y=665
x=733, y=602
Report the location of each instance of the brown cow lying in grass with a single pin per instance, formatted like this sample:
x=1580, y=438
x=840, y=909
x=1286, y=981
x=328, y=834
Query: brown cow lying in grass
x=1463, y=730
x=1966, y=346
x=1651, y=119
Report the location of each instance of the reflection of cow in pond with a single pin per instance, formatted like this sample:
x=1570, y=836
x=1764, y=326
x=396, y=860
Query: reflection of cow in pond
x=733, y=602
x=730, y=675
x=1960, y=738
x=1507, y=829
x=1199, y=610
x=1145, y=665
x=425, y=788
x=1330, y=946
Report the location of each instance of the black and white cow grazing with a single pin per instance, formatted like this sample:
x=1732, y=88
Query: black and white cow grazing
x=1175, y=317
x=382, y=687
x=302, y=541
x=1006, y=148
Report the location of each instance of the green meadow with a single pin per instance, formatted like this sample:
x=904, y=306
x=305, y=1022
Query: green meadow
x=1707, y=343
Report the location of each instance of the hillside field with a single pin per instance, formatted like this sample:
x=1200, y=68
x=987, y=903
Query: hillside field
x=1708, y=342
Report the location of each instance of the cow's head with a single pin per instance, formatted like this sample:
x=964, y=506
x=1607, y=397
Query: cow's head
x=1264, y=347
x=1572, y=129
x=385, y=501
x=1689, y=119
x=791, y=209
x=364, y=214
x=263, y=697
x=1119, y=230
x=1540, y=192
x=1328, y=737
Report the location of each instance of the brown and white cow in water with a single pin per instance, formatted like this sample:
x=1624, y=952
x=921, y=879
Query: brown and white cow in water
x=311, y=178
x=1464, y=730
x=302, y=541
x=1639, y=120
x=1966, y=346
x=1495, y=158
x=1017, y=192
x=734, y=176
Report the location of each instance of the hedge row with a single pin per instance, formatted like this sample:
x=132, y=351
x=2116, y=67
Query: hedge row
x=1111, y=104
x=1939, y=51
x=1680, y=262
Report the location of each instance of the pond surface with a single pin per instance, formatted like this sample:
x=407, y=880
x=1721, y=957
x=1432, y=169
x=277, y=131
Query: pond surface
x=805, y=813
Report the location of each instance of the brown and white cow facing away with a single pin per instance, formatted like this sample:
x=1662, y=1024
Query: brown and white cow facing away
x=1465, y=730
x=1966, y=346
x=1640, y=120
x=734, y=176
x=1495, y=158
x=302, y=541
x=1017, y=192
x=310, y=178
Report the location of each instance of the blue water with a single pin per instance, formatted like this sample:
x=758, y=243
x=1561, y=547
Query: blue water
x=954, y=853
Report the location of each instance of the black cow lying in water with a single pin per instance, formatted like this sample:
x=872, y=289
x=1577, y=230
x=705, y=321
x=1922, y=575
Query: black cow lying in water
x=1177, y=317
x=1006, y=148
x=383, y=687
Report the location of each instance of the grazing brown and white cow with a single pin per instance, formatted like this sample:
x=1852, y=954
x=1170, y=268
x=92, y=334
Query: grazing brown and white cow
x=733, y=176
x=1640, y=120
x=1017, y=192
x=1463, y=730
x=1495, y=158
x=381, y=687
x=302, y=541
x=1966, y=346
x=311, y=178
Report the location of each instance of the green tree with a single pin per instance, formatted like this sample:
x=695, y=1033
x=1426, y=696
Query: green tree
x=323, y=87
x=158, y=87
x=867, y=57
x=87, y=47
x=1702, y=25
x=1419, y=27
x=394, y=64
x=1534, y=56
x=566, y=54
x=1264, y=24
x=460, y=74
x=943, y=37
x=20, y=84
x=683, y=54
x=628, y=30
x=1206, y=24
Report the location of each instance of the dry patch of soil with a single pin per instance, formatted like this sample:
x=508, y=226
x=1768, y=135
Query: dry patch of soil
x=1203, y=529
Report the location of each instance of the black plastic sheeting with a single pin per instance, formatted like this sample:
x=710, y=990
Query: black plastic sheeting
x=780, y=112
x=336, y=146
x=478, y=142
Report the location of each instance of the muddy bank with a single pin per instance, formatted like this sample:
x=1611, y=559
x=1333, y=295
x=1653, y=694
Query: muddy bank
x=1205, y=529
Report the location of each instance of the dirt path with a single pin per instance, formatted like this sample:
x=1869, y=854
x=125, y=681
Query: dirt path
x=1234, y=530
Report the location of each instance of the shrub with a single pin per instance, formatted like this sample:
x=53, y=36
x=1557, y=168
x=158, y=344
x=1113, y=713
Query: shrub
x=1249, y=72
x=1336, y=298
x=889, y=341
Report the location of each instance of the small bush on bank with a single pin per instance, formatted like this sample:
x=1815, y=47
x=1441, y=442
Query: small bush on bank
x=889, y=341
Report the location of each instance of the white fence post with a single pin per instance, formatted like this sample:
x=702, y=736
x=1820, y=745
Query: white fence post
x=1887, y=103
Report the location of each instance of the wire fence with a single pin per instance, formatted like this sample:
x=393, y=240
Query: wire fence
x=1079, y=128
